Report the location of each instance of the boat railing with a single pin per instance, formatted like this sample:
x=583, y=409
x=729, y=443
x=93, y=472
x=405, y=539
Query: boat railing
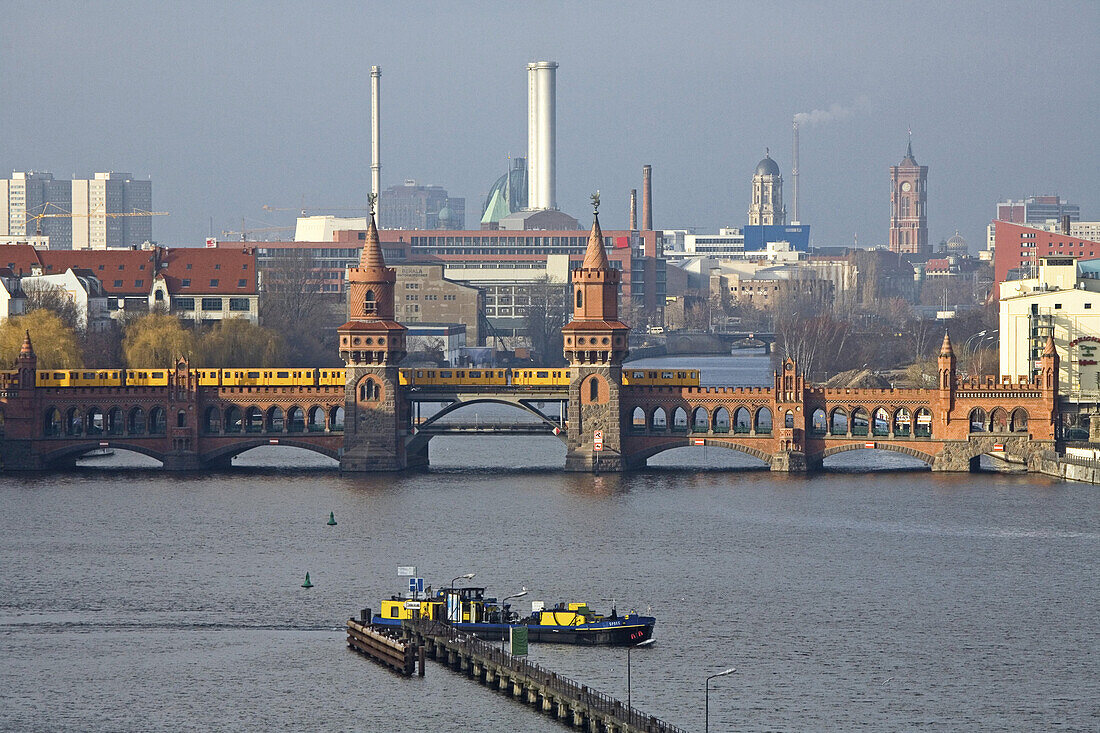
x=560, y=685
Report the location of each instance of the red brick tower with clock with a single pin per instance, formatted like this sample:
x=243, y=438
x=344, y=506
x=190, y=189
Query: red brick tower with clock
x=909, y=206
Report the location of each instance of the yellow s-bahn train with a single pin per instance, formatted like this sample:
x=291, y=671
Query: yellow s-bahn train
x=531, y=377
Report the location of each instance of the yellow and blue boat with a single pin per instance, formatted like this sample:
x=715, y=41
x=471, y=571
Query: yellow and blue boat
x=470, y=610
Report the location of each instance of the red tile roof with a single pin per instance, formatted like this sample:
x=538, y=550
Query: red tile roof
x=130, y=273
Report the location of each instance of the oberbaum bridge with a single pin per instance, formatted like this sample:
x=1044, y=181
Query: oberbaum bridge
x=371, y=423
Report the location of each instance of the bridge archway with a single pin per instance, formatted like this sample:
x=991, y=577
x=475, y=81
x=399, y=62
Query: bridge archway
x=223, y=454
x=638, y=458
x=763, y=421
x=417, y=444
x=926, y=458
x=70, y=452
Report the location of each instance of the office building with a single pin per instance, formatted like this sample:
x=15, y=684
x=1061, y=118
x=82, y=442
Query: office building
x=1018, y=248
x=95, y=213
x=412, y=206
x=1037, y=210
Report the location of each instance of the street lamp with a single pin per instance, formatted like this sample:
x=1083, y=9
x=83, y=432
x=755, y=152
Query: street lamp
x=647, y=642
x=452, y=599
x=503, y=623
x=723, y=673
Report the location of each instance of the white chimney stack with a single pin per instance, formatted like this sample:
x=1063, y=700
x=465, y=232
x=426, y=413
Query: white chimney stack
x=795, y=217
x=541, y=135
x=375, y=133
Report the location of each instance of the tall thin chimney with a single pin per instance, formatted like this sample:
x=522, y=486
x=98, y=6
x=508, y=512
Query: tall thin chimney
x=796, y=218
x=542, y=135
x=633, y=209
x=647, y=197
x=375, y=134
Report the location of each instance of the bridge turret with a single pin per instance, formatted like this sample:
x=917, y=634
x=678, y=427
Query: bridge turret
x=26, y=364
x=1048, y=367
x=372, y=344
x=946, y=363
x=595, y=343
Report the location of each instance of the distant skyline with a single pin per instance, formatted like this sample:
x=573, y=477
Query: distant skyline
x=228, y=107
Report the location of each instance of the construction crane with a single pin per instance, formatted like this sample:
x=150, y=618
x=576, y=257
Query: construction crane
x=245, y=232
x=62, y=214
x=303, y=209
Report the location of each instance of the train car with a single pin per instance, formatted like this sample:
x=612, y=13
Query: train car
x=9, y=379
x=332, y=377
x=661, y=377
x=146, y=377
x=52, y=378
x=290, y=377
x=541, y=378
x=208, y=377
x=241, y=377
x=96, y=378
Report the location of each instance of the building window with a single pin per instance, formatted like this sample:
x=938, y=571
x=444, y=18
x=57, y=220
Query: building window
x=213, y=282
x=183, y=304
x=211, y=304
x=118, y=283
x=242, y=283
x=188, y=265
x=186, y=282
x=1088, y=306
x=139, y=283
x=239, y=304
x=217, y=266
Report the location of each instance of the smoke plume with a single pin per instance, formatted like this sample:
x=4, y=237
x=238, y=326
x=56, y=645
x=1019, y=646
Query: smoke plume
x=835, y=113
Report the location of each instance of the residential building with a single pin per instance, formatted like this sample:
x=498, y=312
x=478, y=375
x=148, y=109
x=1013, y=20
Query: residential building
x=1062, y=301
x=909, y=206
x=79, y=286
x=412, y=206
x=199, y=284
x=77, y=214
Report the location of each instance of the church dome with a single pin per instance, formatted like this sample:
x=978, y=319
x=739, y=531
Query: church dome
x=956, y=244
x=767, y=167
x=444, y=217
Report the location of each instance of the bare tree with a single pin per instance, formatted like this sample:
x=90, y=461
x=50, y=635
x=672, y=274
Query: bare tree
x=544, y=317
x=293, y=303
x=47, y=296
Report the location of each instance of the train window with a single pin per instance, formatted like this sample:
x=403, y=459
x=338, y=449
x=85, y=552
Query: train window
x=445, y=375
x=58, y=375
x=666, y=375
x=419, y=374
x=679, y=375
x=158, y=375
x=462, y=375
x=253, y=375
x=88, y=375
x=142, y=375
x=542, y=375
x=638, y=375
x=284, y=375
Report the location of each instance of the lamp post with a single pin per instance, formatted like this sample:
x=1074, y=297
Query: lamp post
x=706, y=712
x=647, y=642
x=503, y=623
x=450, y=600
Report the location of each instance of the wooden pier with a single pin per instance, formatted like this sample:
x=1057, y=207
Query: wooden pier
x=571, y=703
x=399, y=654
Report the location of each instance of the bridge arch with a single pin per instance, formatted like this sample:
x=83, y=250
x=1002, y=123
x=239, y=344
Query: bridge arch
x=979, y=420
x=116, y=422
x=680, y=419
x=639, y=458
x=927, y=458
x=52, y=424
x=418, y=443
x=1018, y=421
x=819, y=423
x=762, y=421
x=742, y=420
x=838, y=421
x=295, y=420
x=224, y=453
x=998, y=420
x=658, y=419
x=158, y=421
x=135, y=422
x=721, y=420
x=68, y=453
x=700, y=420
x=275, y=420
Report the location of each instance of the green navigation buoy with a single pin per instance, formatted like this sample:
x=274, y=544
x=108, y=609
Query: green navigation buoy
x=307, y=584
x=332, y=519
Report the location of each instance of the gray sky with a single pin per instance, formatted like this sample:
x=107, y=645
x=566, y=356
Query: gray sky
x=230, y=106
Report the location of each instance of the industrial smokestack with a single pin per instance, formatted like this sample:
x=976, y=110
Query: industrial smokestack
x=795, y=217
x=375, y=132
x=542, y=135
x=633, y=209
x=647, y=197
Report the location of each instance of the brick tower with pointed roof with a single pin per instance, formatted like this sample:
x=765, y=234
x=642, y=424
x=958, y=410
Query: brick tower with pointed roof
x=372, y=344
x=595, y=343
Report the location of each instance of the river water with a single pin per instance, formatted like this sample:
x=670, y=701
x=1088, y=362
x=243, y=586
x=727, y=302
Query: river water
x=885, y=600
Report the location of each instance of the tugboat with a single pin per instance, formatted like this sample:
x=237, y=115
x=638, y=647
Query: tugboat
x=469, y=610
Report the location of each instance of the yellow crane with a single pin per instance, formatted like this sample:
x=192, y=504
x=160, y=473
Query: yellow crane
x=303, y=209
x=62, y=214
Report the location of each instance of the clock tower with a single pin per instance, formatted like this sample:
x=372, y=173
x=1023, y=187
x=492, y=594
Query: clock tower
x=909, y=205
